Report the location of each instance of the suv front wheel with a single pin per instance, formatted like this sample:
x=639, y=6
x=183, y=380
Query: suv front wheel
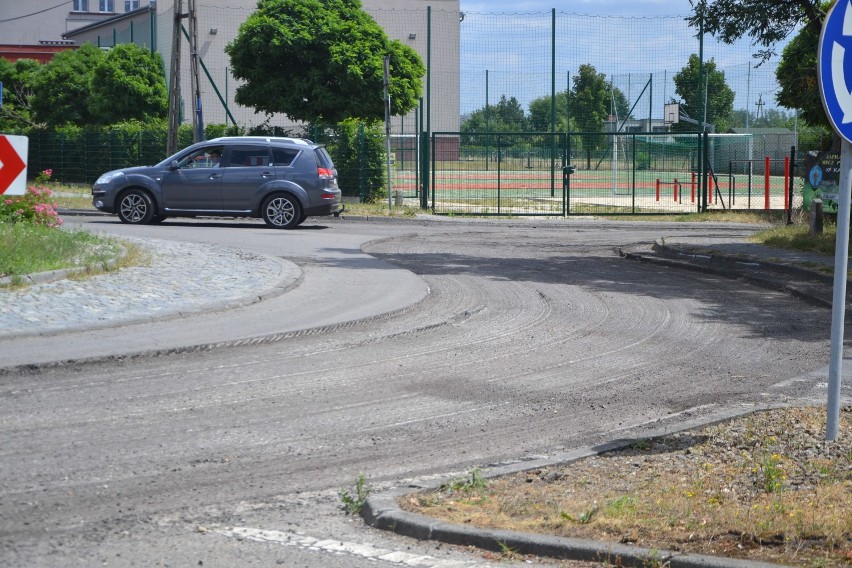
x=135, y=207
x=282, y=212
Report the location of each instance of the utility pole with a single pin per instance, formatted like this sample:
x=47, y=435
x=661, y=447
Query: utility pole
x=174, y=81
x=197, y=117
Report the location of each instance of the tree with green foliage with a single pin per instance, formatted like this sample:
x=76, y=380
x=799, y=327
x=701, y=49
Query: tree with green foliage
x=17, y=78
x=706, y=99
x=321, y=61
x=593, y=100
x=797, y=76
x=766, y=23
x=129, y=84
x=63, y=86
x=505, y=116
x=540, y=113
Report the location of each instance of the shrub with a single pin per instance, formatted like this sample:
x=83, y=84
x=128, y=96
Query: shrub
x=35, y=207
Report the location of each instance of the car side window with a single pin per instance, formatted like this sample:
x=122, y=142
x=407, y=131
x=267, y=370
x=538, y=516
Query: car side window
x=247, y=156
x=208, y=157
x=283, y=156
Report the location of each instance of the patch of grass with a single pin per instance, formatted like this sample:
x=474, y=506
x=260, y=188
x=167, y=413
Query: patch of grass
x=380, y=209
x=72, y=196
x=761, y=487
x=27, y=249
x=798, y=237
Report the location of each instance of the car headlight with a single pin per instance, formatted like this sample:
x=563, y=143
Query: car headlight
x=108, y=177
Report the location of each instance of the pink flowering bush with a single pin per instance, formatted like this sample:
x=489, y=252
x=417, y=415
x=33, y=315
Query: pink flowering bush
x=35, y=207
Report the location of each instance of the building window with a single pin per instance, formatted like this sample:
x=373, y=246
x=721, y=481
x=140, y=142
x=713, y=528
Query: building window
x=81, y=5
x=107, y=5
x=130, y=5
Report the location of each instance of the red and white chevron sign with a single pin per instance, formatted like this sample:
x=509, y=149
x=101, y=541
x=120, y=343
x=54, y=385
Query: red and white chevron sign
x=13, y=164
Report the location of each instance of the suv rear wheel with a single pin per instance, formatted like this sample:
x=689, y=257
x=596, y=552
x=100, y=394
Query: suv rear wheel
x=135, y=207
x=282, y=211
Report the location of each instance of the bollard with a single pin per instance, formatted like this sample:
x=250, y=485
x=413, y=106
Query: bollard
x=397, y=198
x=675, y=189
x=658, y=189
x=692, y=185
x=817, y=217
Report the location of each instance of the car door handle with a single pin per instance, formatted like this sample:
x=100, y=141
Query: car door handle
x=215, y=176
x=267, y=175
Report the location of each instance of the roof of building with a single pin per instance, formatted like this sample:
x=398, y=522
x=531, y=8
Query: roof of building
x=109, y=21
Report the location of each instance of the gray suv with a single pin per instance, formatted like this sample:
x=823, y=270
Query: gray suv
x=282, y=180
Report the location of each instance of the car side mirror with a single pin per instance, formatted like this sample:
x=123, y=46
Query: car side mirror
x=173, y=166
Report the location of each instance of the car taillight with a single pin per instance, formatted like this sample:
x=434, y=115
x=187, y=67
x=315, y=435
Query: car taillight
x=325, y=173
x=328, y=196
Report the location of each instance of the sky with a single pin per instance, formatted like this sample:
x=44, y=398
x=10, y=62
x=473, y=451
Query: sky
x=627, y=40
x=598, y=7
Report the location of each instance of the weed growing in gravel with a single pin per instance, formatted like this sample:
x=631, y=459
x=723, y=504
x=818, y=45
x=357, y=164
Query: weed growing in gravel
x=353, y=503
x=473, y=483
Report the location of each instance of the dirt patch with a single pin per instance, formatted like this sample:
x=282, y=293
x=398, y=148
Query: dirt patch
x=762, y=487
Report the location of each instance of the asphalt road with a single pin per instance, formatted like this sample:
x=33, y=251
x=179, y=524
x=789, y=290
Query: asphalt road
x=533, y=338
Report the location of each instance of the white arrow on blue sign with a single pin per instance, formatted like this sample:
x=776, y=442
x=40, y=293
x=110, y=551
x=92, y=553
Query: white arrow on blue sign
x=835, y=66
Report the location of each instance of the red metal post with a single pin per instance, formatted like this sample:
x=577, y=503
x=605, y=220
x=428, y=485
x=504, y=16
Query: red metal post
x=675, y=189
x=658, y=189
x=693, y=187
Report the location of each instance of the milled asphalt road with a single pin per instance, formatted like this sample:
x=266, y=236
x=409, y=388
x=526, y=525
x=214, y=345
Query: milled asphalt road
x=233, y=297
x=186, y=297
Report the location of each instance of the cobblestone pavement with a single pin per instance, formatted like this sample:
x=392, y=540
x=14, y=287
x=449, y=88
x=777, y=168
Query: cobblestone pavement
x=179, y=278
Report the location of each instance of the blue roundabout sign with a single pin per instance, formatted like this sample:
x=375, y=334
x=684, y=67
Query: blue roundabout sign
x=835, y=66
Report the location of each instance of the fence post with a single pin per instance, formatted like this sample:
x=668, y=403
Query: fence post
x=705, y=155
x=786, y=181
x=789, y=189
x=362, y=182
x=658, y=189
x=675, y=189
x=766, y=182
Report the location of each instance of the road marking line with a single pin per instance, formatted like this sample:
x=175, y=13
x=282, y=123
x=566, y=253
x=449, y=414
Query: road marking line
x=341, y=547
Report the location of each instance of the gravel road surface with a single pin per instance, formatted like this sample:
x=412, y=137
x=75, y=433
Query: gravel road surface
x=533, y=339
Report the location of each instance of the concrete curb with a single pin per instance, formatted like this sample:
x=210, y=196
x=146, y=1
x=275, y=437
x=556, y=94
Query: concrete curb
x=712, y=258
x=382, y=511
x=748, y=269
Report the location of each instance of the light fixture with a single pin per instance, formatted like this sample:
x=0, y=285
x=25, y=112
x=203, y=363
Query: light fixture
x=214, y=31
x=412, y=36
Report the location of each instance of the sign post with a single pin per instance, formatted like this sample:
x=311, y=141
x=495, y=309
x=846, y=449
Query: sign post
x=834, y=66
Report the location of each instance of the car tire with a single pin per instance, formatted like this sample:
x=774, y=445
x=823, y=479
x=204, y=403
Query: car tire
x=135, y=207
x=281, y=211
x=157, y=219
